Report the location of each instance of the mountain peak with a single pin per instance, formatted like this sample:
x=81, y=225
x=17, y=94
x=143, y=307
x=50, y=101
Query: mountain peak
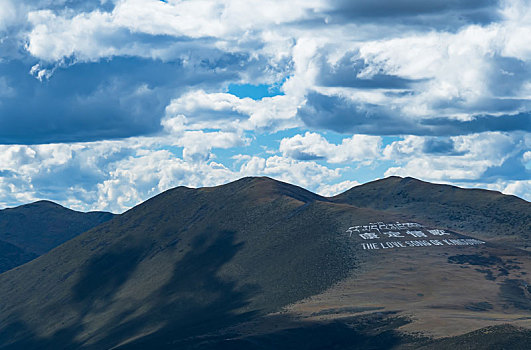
x=43, y=225
x=45, y=204
x=266, y=187
x=41, y=204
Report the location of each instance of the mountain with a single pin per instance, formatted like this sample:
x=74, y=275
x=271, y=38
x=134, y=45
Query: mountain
x=33, y=229
x=259, y=263
x=477, y=212
x=12, y=256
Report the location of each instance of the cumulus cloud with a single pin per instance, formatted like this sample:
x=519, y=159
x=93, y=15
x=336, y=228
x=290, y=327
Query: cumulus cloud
x=315, y=146
x=518, y=188
x=229, y=112
x=340, y=114
x=149, y=172
x=303, y=173
x=467, y=157
x=337, y=188
x=105, y=103
x=198, y=144
x=120, y=98
x=427, y=83
x=335, y=73
x=67, y=173
x=116, y=175
x=56, y=36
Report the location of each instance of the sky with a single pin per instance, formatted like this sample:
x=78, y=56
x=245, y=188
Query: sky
x=106, y=103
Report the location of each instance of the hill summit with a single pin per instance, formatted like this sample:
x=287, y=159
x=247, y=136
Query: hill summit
x=33, y=229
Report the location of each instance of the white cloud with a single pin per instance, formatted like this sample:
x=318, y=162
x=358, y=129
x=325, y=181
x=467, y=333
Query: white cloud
x=116, y=175
x=8, y=14
x=410, y=146
x=313, y=145
x=476, y=69
x=93, y=35
x=519, y=188
x=229, y=112
x=527, y=157
x=517, y=28
x=337, y=188
x=474, y=154
x=198, y=144
x=148, y=173
x=303, y=173
x=457, y=72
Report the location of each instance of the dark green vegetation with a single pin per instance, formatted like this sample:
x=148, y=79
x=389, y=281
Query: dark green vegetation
x=211, y=268
x=476, y=212
x=34, y=229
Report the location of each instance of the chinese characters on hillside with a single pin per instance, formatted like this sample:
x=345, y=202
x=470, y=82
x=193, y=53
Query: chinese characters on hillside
x=376, y=236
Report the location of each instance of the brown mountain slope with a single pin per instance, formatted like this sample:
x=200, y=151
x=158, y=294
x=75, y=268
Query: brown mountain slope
x=476, y=212
x=183, y=263
x=258, y=263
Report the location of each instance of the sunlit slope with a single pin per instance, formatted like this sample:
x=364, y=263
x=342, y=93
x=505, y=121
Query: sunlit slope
x=477, y=212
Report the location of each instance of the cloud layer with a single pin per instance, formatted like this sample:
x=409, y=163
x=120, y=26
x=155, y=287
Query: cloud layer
x=104, y=103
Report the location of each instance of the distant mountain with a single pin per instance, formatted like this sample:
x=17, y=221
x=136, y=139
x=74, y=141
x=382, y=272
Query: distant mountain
x=33, y=229
x=259, y=263
x=12, y=256
x=477, y=212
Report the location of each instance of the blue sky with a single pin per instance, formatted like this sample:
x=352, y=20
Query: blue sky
x=105, y=103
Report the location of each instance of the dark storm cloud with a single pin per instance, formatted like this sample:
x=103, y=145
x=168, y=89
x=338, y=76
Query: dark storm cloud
x=346, y=72
x=117, y=98
x=346, y=116
x=441, y=14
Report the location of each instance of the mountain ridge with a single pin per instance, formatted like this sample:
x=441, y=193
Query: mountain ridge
x=479, y=212
x=200, y=266
x=36, y=228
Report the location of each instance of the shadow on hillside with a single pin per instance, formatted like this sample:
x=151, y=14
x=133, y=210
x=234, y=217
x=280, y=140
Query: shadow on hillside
x=194, y=301
x=372, y=331
x=102, y=277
